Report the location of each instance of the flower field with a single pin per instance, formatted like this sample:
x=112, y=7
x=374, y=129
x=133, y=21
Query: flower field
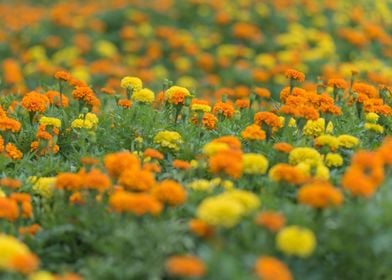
x=196, y=139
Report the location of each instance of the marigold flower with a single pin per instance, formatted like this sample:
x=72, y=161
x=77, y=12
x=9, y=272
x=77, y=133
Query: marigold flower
x=248, y=200
x=337, y=83
x=133, y=83
x=200, y=105
x=228, y=162
x=35, y=102
x=185, y=266
x=176, y=95
x=201, y=228
x=209, y=121
x=270, y=268
x=374, y=127
x=136, y=179
x=273, y=221
x=333, y=160
x=137, y=203
x=320, y=195
x=144, y=95
x=220, y=211
x=8, y=209
x=327, y=140
x=181, y=164
x=254, y=163
x=296, y=241
x=9, y=124
x=10, y=183
x=287, y=173
x=16, y=256
x=170, y=192
x=233, y=142
x=50, y=121
x=283, y=147
x=268, y=118
x=69, y=181
x=242, y=103
x=304, y=154
x=62, y=75
x=97, y=180
x=253, y=132
x=168, y=139
x=13, y=152
x=32, y=229
x=295, y=75
x=225, y=109
x=348, y=141
x=116, y=163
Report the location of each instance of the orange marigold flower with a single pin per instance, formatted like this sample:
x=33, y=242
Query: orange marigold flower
x=268, y=118
x=108, y=91
x=368, y=90
x=8, y=209
x=270, y=268
x=27, y=210
x=287, y=173
x=232, y=141
x=152, y=167
x=13, y=152
x=125, y=103
x=371, y=163
x=9, y=124
x=228, y=162
x=80, y=93
x=181, y=164
x=32, y=229
x=358, y=183
x=223, y=108
x=209, y=121
x=170, y=192
x=63, y=76
x=137, y=179
x=24, y=263
x=89, y=161
x=273, y=221
x=54, y=98
x=295, y=75
x=10, y=183
x=320, y=195
x=337, y=83
x=283, y=147
x=253, y=132
x=136, y=203
x=116, y=163
x=152, y=153
x=97, y=180
x=384, y=151
x=69, y=181
x=242, y=103
x=35, y=102
x=20, y=197
x=201, y=228
x=263, y=92
x=185, y=266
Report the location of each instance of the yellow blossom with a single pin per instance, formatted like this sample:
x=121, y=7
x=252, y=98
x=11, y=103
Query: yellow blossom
x=133, y=83
x=144, y=95
x=333, y=160
x=304, y=154
x=50, y=121
x=254, y=163
x=168, y=139
x=296, y=241
x=314, y=128
x=348, y=141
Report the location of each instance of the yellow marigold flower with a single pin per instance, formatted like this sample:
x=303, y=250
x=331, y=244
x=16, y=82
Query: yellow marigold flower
x=144, y=95
x=254, y=163
x=42, y=275
x=79, y=123
x=292, y=122
x=220, y=211
x=227, y=185
x=2, y=194
x=348, y=141
x=372, y=117
x=374, y=127
x=168, y=139
x=44, y=186
x=212, y=148
x=133, y=83
x=200, y=185
x=176, y=94
x=304, y=154
x=333, y=160
x=327, y=140
x=92, y=118
x=314, y=128
x=216, y=181
x=321, y=172
x=247, y=199
x=201, y=107
x=296, y=241
x=50, y=121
